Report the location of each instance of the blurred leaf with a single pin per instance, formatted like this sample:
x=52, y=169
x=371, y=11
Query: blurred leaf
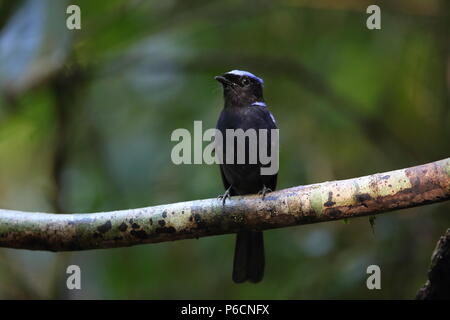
x=33, y=45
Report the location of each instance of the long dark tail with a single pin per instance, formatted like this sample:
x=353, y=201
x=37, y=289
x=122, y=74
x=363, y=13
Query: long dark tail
x=248, y=257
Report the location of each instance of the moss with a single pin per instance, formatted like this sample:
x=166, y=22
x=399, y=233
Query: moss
x=316, y=201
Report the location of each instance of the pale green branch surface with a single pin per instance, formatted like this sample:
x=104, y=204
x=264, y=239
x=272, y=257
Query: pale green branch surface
x=321, y=202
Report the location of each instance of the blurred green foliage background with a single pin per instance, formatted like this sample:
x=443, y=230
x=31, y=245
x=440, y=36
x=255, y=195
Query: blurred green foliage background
x=86, y=118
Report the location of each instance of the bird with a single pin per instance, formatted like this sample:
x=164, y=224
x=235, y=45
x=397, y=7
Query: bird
x=245, y=108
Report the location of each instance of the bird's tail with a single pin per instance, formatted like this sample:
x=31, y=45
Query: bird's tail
x=248, y=257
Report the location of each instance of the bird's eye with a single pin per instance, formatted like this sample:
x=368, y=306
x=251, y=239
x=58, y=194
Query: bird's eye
x=245, y=82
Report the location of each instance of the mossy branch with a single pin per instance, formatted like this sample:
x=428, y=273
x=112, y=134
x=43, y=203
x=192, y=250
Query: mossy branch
x=327, y=201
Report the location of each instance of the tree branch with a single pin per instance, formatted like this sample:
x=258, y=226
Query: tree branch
x=438, y=285
x=321, y=202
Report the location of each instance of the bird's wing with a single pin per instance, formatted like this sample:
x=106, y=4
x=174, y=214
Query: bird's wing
x=271, y=117
x=270, y=181
x=267, y=115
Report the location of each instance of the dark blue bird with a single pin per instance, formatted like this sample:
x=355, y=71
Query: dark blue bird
x=245, y=109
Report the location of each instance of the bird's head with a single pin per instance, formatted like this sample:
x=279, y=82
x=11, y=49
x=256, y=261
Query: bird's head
x=241, y=88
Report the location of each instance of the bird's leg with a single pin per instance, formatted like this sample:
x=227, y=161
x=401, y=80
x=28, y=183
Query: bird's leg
x=224, y=196
x=264, y=191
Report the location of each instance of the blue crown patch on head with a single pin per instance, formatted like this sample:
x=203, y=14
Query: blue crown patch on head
x=246, y=73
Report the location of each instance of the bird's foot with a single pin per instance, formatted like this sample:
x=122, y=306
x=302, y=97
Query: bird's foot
x=264, y=191
x=224, y=196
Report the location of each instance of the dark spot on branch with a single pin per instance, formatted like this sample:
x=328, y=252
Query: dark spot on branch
x=307, y=219
x=332, y=212
x=164, y=214
x=286, y=219
x=162, y=223
x=135, y=226
x=123, y=227
x=104, y=227
x=140, y=234
x=385, y=177
x=272, y=212
x=329, y=203
x=198, y=221
x=165, y=230
x=362, y=198
x=151, y=221
x=36, y=242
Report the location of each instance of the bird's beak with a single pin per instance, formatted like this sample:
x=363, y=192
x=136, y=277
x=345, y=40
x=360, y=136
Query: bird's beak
x=224, y=81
